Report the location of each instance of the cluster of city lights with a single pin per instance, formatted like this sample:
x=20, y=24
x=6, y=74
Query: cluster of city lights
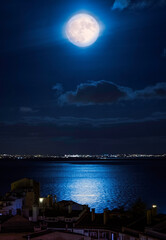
x=88, y=156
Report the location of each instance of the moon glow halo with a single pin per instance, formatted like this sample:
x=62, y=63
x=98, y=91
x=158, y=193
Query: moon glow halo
x=82, y=30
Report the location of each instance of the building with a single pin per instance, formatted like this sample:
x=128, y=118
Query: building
x=30, y=191
x=11, y=204
x=10, y=207
x=47, y=202
x=44, y=235
x=23, y=209
x=30, y=187
x=16, y=224
x=63, y=214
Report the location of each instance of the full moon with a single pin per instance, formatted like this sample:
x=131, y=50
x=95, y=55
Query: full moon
x=82, y=30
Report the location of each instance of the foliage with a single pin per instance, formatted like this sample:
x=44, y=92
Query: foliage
x=138, y=209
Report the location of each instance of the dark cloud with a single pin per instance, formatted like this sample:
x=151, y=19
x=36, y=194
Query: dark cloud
x=152, y=92
x=164, y=53
x=86, y=139
x=143, y=127
x=100, y=92
x=160, y=115
x=105, y=92
x=61, y=135
x=137, y=4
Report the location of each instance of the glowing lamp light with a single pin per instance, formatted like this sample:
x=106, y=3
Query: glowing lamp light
x=154, y=206
x=41, y=200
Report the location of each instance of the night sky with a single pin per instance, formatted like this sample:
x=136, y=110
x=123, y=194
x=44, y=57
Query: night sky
x=57, y=98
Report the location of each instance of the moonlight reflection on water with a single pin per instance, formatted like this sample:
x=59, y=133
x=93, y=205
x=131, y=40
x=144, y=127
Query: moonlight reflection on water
x=98, y=185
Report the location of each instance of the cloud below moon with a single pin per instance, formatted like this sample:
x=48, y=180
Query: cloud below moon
x=105, y=92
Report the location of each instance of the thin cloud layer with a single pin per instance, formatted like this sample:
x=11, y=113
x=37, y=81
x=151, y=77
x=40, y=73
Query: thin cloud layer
x=26, y=109
x=106, y=129
x=105, y=92
x=58, y=88
x=120, y=4
x=85, y=121
x=137, y=4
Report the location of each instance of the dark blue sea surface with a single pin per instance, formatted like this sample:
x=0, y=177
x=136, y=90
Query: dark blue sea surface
x=100, y=185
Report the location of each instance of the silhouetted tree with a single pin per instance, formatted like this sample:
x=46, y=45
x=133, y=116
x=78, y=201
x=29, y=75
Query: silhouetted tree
x=138, y=209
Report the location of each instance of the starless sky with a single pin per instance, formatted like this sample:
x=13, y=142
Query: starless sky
x=57, y=98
